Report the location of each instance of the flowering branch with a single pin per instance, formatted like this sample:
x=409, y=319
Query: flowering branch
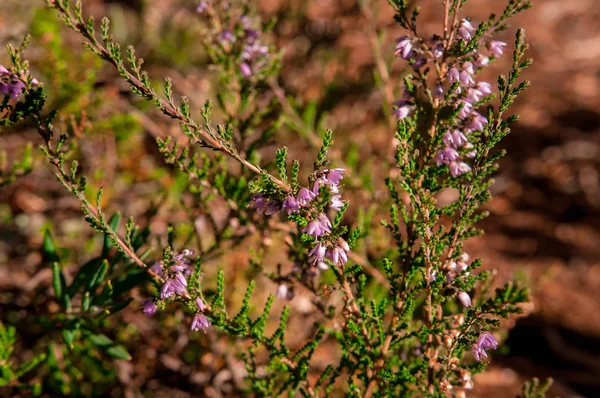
x=140, y=84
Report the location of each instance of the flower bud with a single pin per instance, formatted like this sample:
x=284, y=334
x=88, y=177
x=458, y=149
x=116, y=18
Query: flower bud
x=464, y=299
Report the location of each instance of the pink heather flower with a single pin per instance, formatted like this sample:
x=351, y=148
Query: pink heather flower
x=333, y=188
x=254, y=57
x=157, y=268
x=149, y=307
x=432, y=277
x=468, y=67
x=290, y=204
x=182, y=264
x=453, y=75
x=200, y=322
x=481, y=60
x=476, y=122
x=334, y=176
x=318, y=226
x=454, y=138
x=466, y=30
x=305, y=196
x=466, y=78
x=464, y=299
x=481, y=89
x=420, y=60
x=438, y=92
x=473, y=95
x=343, y=244
x=317, y=253
x=486, y=341
x=461, y=264
x=252, y=35
x=202, y=6
x=336, y=202
x=10, y=84
x=472, y=153
x=200, y=304
x=245, y=70
x=176, y=285
x=180, y=284
x=259, y=202
x=466, y=109
x=226, y=37
x=445, y=156
x=403, y=109
x=272, y=207
x=167, y=290
x=254, y=51
x=283, y=292
x=496, y=47
x=484, y=87
x=438, y=50
x=458, y=168
x=337, y=254
x=404, y=47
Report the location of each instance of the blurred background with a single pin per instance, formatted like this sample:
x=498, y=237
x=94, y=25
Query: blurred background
x=544, y=219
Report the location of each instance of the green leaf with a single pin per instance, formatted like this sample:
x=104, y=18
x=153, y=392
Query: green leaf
x=109, y=346
x=113, y=223
x=85, y=274
x=69, y=336
x=50, y=248
x=125, y=283
x=97, y=277
x=119, y=306
x=119, y=352
x=57, y=280
x=85, y=304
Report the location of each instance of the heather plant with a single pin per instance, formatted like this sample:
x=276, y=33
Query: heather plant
x=420, y=320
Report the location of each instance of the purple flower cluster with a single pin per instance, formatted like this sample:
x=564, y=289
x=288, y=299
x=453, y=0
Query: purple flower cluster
x=254, y=54
x=293, y=204
x=456, y=269
x=319, y=225
x=486, y=341
x=10, y=84
x=468, y=94
x=404, y=106
x=202, y=6
x=175, y=276
x=453, y=270
x=336, y=252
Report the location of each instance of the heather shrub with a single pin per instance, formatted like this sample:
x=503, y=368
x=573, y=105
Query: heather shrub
x=419, y=318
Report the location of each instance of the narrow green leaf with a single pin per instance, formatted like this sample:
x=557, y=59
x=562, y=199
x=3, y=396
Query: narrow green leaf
x=49, y=247
x=56, y=280
x=113, y=223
